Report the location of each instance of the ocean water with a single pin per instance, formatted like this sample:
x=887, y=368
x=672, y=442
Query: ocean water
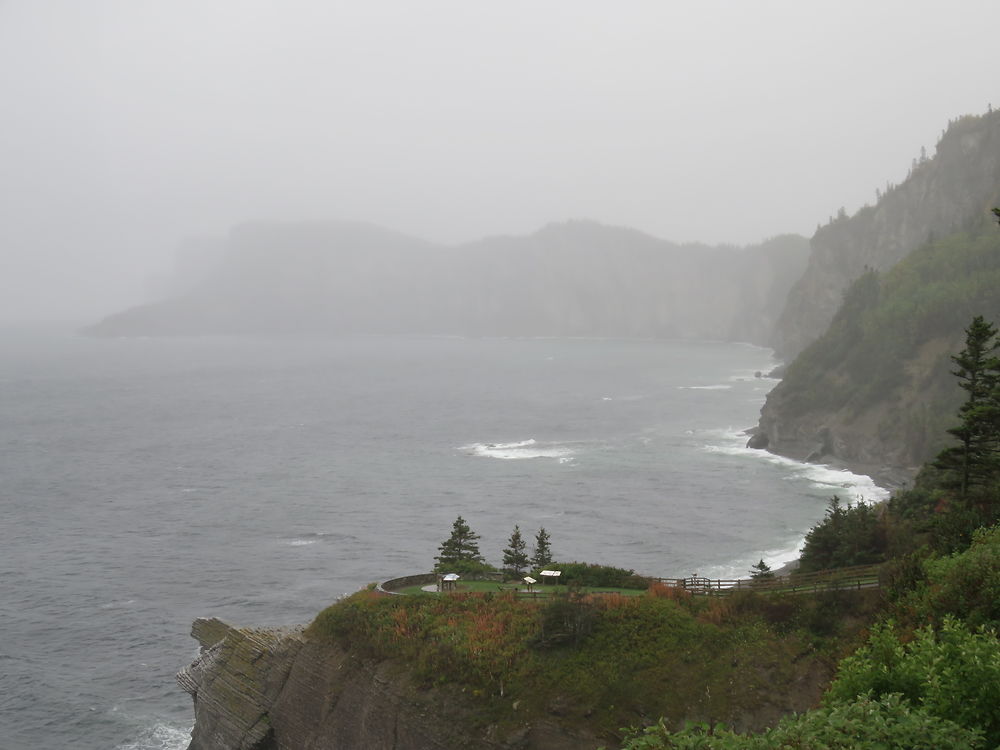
x=146, y=482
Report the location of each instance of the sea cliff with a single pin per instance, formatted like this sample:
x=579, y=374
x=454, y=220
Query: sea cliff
x=276, y=689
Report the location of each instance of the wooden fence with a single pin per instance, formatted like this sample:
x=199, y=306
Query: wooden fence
x=840, y=579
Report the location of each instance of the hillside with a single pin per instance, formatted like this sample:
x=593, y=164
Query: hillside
x=875, y=390
x=942, y=195
x=572, y=279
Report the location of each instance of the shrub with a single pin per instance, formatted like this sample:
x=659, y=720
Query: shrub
x=953, y=673
x=600, y=576
x=967, y=584
x=865, y=723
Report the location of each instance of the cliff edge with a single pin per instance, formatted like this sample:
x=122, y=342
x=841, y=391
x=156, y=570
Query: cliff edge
x=275, y=689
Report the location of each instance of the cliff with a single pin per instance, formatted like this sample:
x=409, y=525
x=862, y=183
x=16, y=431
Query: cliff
x=572, y=279
x=265, y=689
x=489, y=672
x=876, y=390
x=941, y=196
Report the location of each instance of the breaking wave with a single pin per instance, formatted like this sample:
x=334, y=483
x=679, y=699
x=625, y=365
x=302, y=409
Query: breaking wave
x=530, y=448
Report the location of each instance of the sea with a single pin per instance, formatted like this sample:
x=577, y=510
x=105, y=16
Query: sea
x=145, y=482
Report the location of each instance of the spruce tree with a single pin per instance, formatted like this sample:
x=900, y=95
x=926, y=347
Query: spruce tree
x=515, y=556
x=973, y=462
x=543, y=552
x=459, y=550
x=761, y=571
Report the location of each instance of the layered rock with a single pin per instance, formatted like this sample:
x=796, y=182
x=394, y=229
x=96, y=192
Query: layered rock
x=274, y=689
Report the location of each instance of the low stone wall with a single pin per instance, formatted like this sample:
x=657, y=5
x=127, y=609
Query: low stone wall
x=391, y=586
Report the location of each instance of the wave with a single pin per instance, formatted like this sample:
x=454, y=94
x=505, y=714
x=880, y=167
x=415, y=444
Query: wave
x=529, y=448
x=841, y=482
x=775, y=558
x=720, y=387
x=159, y=737
x=856, y=487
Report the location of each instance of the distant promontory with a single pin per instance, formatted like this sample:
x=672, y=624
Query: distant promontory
x=578, y=278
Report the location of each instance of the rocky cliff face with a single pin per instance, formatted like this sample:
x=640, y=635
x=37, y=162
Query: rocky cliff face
x=267, y=689
x=941, y=196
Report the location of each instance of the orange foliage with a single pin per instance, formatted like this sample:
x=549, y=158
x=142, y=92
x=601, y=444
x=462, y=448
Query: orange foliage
x=661, y=590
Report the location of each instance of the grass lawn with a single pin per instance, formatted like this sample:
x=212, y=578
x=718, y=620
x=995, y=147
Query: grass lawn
x=539, y=591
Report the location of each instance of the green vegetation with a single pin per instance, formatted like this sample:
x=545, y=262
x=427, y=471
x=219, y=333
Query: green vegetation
x=927, y=675
x=951, y=672
x=861, y=724
x=543, y=550
x=603, y=660
x=851, y=535
x=890, y=342
x=761, y=571
x=599, y=576
x=913, y=684
x=538, y=591
x=459, y=553
x=515, y=557
x=973, y=465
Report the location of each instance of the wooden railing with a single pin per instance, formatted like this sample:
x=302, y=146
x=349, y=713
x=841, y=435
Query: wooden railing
x=840, y=579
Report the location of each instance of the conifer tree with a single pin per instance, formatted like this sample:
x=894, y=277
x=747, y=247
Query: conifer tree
x=543, y=551
x=458, y=550
x=761, y=571
x=515, y=556
x=974, y=461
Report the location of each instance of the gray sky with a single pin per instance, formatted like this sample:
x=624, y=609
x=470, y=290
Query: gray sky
x=130, y=125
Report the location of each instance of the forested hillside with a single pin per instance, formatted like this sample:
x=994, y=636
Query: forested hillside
x=943, y=194
x=876, y=387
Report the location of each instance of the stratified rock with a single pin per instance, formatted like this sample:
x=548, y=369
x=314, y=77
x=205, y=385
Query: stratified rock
x=274, y=689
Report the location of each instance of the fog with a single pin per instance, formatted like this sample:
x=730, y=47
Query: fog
x=131, y=127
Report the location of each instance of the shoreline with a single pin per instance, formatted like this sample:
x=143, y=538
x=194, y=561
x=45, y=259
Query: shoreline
x=889, y=478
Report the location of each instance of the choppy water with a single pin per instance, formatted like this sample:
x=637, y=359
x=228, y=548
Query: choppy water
x=144, y=483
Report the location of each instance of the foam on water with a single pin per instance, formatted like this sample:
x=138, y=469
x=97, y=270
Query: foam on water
x=529, y=448
x=719, y=387
x=854, y=487
x=159, y=737
x=841, y=482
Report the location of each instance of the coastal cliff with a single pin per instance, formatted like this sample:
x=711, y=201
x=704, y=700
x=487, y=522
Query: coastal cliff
x=881, y=309
x=276, y=689
x=941, y=196
x=646, y=657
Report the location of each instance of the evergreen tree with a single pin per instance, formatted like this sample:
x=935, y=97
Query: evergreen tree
x=973, y=462
x=543, y=552
x=515, y=556
x=458, y=550
x=761, y=571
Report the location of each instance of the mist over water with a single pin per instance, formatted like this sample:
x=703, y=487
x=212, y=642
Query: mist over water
x=147, y=482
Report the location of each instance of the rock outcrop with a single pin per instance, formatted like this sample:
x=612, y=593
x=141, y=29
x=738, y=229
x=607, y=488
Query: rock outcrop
x=941, y=196
x=275, y=689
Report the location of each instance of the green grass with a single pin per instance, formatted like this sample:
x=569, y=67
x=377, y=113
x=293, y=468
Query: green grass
x=606, y=661
x=540, y=592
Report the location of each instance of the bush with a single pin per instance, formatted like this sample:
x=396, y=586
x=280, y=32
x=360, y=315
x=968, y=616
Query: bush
x=600, y=576
x=967, y=584
x=864, y=723
x=953, y=673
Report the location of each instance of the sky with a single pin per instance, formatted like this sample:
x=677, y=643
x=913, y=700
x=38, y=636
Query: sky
x=129, y=126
